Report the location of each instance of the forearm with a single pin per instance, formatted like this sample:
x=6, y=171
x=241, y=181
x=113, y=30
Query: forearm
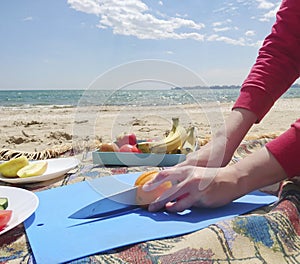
x=218, y=152
x=230, y=135
x=258, y=170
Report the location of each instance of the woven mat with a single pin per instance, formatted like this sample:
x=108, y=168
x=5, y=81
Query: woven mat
x=268, y=235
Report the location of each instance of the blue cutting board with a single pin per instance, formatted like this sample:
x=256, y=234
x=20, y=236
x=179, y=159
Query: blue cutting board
x=55, y=238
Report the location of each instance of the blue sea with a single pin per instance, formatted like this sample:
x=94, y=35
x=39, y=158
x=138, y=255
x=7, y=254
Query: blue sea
x=73, y=98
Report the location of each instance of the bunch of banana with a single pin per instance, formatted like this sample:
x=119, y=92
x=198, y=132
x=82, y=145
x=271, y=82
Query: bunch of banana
x=191, y=143
x=170, y=144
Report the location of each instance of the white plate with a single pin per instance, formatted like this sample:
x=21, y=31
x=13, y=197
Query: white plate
x=56, y=168
x=23, y=204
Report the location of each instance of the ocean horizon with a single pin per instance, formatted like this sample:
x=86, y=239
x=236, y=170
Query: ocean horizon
x=73, y=98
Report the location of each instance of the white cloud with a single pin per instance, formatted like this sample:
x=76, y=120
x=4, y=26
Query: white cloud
x=221, y=23
x=217, y=24
x=29, y=18
x=133, y=18
x=221, y=26
x=228, y=40
x=250, y=33
x=181, y=15
x=86, y=6
x=270, y=14
x=263, y=4
x=220, y=29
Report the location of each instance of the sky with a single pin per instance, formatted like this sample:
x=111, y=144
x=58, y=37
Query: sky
x=68, y=44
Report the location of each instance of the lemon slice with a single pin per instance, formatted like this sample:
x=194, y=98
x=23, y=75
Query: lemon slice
x=33, y=169
x=11, y=167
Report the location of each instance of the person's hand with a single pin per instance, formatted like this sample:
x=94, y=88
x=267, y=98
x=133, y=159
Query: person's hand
x=194, y=186
x=219, y=151
x=213, y=187
x=213, y=154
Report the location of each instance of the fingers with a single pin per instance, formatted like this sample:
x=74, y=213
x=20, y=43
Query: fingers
x=156, y=181
x=180, y=204
x=167, y=197
x=173, y=175
x=178, y=197
x=172, y=204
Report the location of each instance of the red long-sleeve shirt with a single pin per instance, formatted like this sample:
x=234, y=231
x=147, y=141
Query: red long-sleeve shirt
x=275, y=70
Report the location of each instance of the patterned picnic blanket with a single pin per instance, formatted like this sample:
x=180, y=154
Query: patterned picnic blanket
x=268, y=235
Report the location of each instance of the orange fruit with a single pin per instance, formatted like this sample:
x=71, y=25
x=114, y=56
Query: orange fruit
x=144, y=198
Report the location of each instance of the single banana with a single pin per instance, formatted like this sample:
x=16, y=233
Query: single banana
x=175, y=124
x=146, y=146
x=190, y=143
x=10, y=168
x=169, y=144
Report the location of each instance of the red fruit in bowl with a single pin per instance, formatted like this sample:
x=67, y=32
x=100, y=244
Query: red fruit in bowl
x=126, y=138
x=129, y=148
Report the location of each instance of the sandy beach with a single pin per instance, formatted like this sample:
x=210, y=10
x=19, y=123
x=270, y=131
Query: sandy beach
x=40, y=128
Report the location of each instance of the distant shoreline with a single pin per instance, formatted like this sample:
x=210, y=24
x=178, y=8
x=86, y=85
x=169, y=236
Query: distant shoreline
x=198, y=87
x=175, y=96
x=296, y=85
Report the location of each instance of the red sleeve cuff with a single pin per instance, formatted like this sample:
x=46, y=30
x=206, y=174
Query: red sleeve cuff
x=286, y=150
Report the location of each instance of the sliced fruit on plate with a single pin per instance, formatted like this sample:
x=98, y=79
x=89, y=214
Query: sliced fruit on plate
x=3, y=203
x=33, y=169
x=5, y=216
x=10, y=168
